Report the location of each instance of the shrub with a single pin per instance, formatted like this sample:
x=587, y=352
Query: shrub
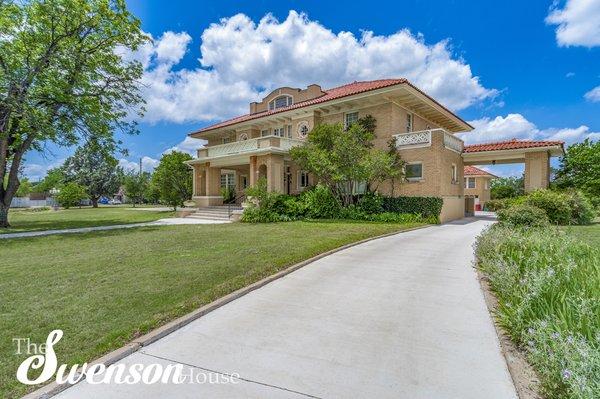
x=371, y=203
x=496, y=205
x=547, y=287
x=424, y=206
x=70, y=195
x=228, y=195
x=523, y=215
x=554, y=203
x=254, y=214
x=321, y=203
x=582, y=210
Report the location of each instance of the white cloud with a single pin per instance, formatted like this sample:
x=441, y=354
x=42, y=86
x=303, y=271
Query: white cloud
x=578, y=23
x=34, y=171
x=517, y=126
x=242, y=60
x=148, y=164
x=593, y=95
x=570, y=74
x=189, y=145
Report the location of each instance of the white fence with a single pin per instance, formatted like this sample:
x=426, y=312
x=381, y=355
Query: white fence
x=25, y=202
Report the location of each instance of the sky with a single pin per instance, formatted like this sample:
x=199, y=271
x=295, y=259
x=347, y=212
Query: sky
x=513, y=69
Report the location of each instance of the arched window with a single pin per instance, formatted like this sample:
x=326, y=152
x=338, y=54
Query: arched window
x=280, y=102
x=243, y=137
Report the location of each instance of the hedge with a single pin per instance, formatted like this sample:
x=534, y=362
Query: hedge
x=425, y=206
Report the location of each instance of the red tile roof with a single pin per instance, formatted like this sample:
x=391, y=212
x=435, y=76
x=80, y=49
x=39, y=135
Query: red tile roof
x=513, y=144
x=330, y=94
x=473, y=171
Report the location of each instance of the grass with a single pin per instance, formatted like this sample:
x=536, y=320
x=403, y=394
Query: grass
x=22, y=220
x=105, y=288
x=547, y=281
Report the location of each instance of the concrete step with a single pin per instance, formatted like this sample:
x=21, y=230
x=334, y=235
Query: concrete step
x=208, y=217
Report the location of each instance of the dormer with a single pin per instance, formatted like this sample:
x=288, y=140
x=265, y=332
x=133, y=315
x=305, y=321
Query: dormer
x=286, y=96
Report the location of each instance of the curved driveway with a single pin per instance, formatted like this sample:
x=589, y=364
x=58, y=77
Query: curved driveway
x=398, y=317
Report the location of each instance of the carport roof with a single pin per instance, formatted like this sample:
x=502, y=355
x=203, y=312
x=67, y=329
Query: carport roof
x=513, y=144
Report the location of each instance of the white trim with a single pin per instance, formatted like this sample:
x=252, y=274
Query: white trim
x=299, y=180
x=288, y=103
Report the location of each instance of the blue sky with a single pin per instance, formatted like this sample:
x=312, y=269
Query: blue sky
x=524, y=69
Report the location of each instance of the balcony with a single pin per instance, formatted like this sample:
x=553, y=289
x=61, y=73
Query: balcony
x=423, y=138
x=248, y=147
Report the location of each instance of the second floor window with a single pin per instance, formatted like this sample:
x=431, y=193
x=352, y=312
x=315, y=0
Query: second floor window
x=279, y=132
x=469, y=182
x=280, y=102
x=409, y=123
x=264, y=132
x=350, y=118
x=226, y=140
x=454, y=173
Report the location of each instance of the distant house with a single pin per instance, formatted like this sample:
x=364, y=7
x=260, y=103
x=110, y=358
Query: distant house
x=245, y=148
x=478, y=185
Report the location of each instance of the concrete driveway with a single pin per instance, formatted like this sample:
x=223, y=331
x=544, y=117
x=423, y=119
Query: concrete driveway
x=398, y=317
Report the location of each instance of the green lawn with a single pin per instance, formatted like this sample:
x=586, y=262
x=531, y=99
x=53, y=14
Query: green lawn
x=29, y=220
x=105, y=288
x=589, y=234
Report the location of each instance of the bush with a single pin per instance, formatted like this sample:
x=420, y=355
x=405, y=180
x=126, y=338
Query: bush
x=547, y=287
x=554, y=203
x=523, y=215
x=424, y=206
x=255, y=214
x=371, y=203
x=582, y=210
x=70, y=195
x=321, y=203
x=496, y=204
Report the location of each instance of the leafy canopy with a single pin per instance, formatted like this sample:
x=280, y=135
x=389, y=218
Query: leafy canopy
x=136, y=185
x=580, y=169
x=173, y=179
x=63, y=78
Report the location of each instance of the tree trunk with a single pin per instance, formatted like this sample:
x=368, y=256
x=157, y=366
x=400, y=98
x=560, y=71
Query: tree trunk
x=4, y=215
x=95, y=202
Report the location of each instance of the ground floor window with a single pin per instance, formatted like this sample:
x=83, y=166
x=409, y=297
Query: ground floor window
x=244, y=182
x=228, y=181
x=413, y=171
x=303, y=179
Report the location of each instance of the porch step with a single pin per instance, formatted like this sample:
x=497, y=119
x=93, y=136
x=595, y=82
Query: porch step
x=214, y=212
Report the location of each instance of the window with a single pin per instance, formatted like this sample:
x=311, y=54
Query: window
x=280, y=102
x=350, y=118
x=244, y=181
x=469, y=182
x=413, y=171
x=226, y=140
x=409, y=122
x=264, y=132
x=487, y=185
x=303, y=179
x=228, y=181
x=289, y=131
x=279, y=132
x=454, y=173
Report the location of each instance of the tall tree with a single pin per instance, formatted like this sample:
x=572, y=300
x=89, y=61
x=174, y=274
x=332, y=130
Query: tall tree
x=62, y=78
x=136, y=185
x=580, y=169
x=94, y=168
x=173, y=179
x=344, y=158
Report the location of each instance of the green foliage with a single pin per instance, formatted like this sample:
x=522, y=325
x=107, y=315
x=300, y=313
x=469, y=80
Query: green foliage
x=548, y=285
x=424, y=206
x=136, y=186
x=506, y=187
x=321, y=203
x=54, y=179
x=228, y=195
x=582, y=210
x=71, y=194
x=523, y=215
x=25, y=188
x=580, y=169
x=172, y=178
x=95, y=168
x=341, y=159
x=371, y=203
x=554, y=203
x=63, y=78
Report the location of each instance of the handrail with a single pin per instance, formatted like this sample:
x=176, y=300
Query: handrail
x=234, y=202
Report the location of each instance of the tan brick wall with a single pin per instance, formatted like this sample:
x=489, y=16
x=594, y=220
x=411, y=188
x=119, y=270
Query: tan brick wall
x=537, y=170
x=480, y=189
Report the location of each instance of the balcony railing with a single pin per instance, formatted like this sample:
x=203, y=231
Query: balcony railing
x=248, y=146
x=422, y=138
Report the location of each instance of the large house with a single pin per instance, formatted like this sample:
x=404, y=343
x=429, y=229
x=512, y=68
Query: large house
x=478, y=185
x=241, y=150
